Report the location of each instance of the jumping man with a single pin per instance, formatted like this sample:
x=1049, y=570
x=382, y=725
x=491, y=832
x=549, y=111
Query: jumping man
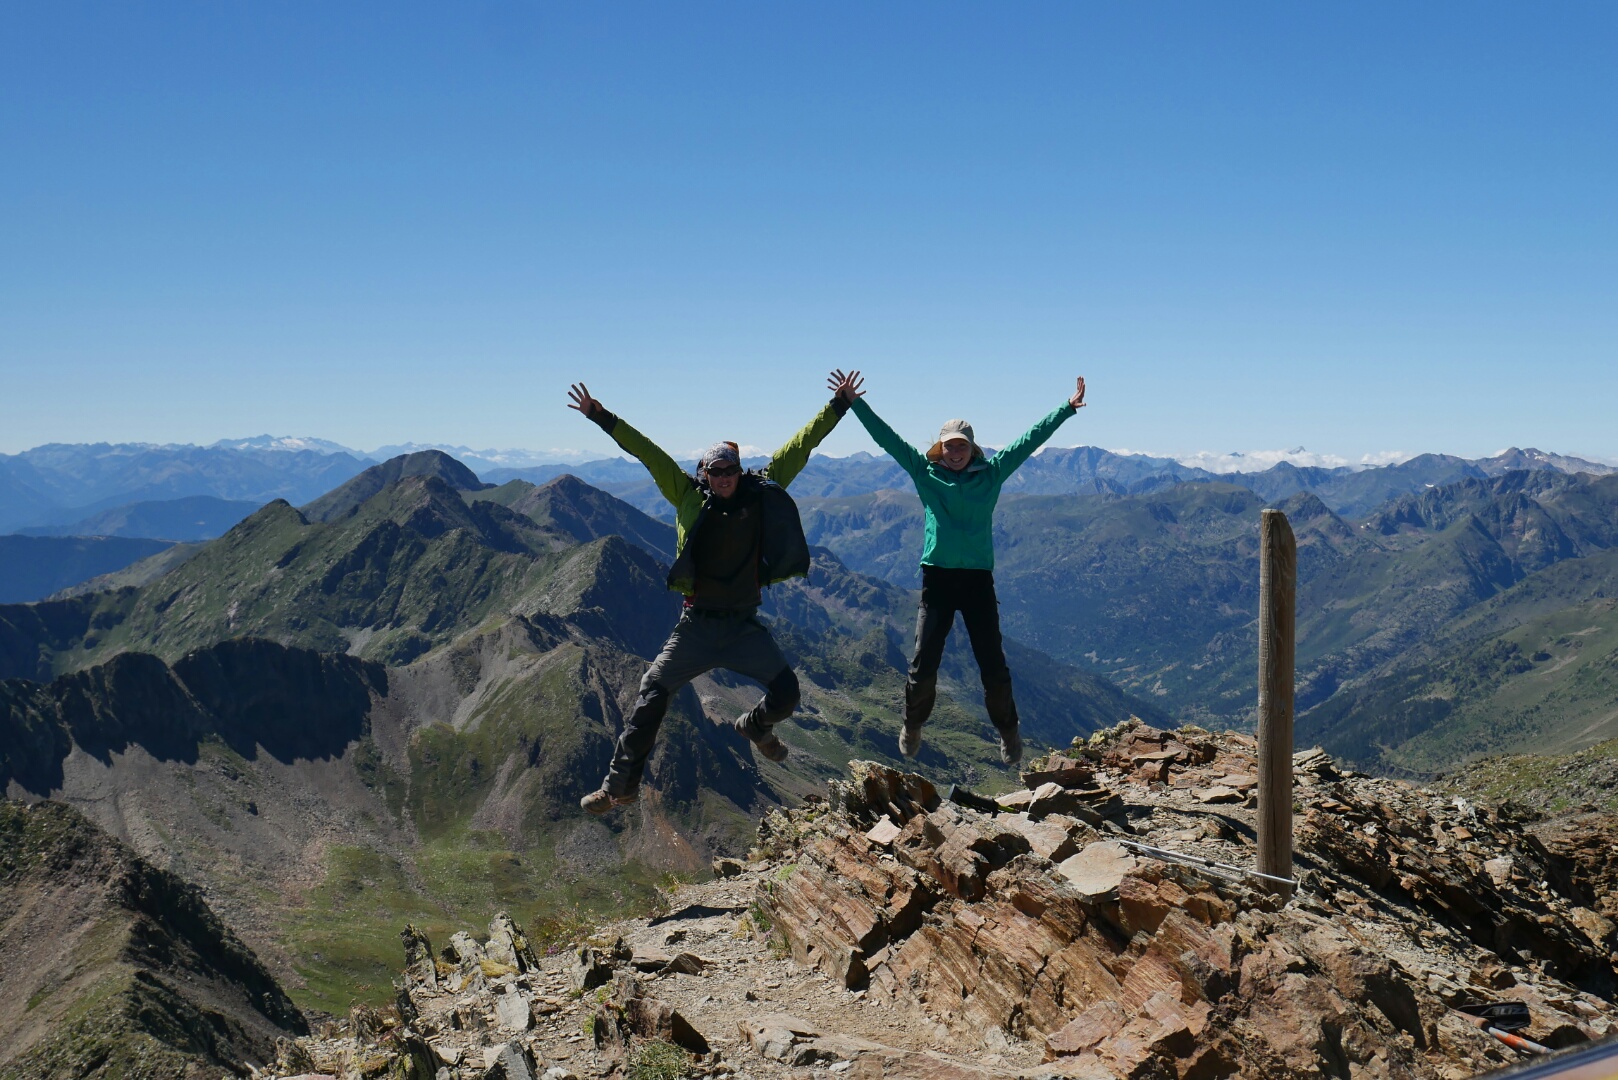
x=734, y=532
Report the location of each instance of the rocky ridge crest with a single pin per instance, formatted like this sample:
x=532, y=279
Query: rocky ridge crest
x=894, y=931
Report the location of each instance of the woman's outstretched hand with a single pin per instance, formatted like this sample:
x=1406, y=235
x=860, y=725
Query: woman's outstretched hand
x=584, y=403
x=1077, y=400
x=846, y=386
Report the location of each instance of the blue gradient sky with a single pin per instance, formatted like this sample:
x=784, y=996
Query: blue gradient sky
x=1356, y=228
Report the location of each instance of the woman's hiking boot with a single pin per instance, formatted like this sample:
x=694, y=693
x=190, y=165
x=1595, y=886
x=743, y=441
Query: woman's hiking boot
x=601, y=800
x=1010, y=745
x=910, y=740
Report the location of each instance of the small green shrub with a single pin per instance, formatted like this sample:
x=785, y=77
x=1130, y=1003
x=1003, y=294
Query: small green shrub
x=657, y=1060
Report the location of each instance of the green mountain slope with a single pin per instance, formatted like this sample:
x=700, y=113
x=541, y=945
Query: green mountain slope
x=569, y=506
x=1157, y=592
x=1532, y=669
x=406, y=570
x=112, y=967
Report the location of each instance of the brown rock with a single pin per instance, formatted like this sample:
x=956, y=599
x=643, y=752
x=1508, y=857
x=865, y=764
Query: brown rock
x=651, y=1018
x=1015, y=800
x=1099, y=1021
x=840, y=906
x=1602, y=931
x=1062, y=770
x=1055, y=837
x=1096, y=872
x=883, y=832
x=1089, y=806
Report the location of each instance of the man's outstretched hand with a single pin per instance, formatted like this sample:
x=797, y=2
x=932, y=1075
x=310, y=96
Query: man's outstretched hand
x=1077, y=400
x=586, y=404
x=846, y=386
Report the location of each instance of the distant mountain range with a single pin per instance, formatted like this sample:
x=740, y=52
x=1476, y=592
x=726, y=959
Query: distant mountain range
x=1128, y=566
x=60, y=485
x=1347, y=490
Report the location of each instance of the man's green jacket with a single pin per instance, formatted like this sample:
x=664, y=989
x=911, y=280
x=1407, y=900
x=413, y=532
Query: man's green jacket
x=960, y=505
x=785, y=552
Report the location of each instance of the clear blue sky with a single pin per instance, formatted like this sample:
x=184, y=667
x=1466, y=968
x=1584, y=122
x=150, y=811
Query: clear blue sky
x=1352, y=227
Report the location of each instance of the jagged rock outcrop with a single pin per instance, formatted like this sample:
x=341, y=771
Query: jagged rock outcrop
x=1141, y=967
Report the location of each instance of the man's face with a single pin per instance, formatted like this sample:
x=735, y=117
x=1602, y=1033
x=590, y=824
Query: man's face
x=723, y=479
x=956, y=455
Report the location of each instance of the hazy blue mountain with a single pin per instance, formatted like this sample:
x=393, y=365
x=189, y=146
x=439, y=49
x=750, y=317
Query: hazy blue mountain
x=198, y=517
x=60, y=483
x=19, y=503
x=34, y=567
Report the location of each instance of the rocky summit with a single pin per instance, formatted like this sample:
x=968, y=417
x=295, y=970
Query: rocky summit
x=1097, y=923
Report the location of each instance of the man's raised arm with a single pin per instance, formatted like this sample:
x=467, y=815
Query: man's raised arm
x=788, y=462
x=671, y=480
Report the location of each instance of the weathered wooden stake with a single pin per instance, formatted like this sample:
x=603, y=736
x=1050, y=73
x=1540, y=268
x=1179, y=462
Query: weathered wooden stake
x=1277, y=603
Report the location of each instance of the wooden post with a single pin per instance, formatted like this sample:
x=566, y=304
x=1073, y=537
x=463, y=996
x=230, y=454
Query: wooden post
x=1277, y=603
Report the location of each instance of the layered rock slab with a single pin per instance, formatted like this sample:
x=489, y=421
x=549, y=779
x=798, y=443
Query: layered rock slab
x=1126, y=966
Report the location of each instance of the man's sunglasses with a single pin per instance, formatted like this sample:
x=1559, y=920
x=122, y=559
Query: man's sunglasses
x=724, y=470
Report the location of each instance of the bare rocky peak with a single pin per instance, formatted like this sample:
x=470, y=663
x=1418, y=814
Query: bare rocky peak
x=896, y=931
x=1508, y=460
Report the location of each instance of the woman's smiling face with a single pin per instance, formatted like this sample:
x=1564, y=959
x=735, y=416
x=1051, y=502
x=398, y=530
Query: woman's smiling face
x=955, y=455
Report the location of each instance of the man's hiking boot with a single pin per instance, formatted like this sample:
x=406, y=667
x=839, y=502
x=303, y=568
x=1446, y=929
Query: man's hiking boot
x=910, y=740
x=771, y=747
x=768, y=744
x=1010, y=745
x=601, y=800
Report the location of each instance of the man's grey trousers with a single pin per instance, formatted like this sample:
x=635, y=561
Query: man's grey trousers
x=700, y=642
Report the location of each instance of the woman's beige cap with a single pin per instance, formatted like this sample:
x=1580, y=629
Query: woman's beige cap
x=952, y=430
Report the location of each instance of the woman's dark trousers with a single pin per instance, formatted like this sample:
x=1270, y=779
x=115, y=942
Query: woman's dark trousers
x=945, y=591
